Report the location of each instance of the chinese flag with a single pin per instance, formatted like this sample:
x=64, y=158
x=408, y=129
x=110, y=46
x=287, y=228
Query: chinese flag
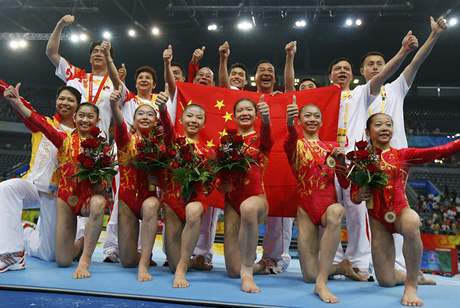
x=280, y=184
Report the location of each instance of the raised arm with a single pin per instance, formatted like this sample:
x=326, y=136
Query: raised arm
x=424, y=155
x=112, y=69
x=52, y=47
x=437, y=27
x=224, y=53
x=168, y=74
x=266, y=141
x=11, y=94
x=289, y=75
x=168, y=128
x=115, y=98
x=194, y=65
x=290, y=144
x=409, y=44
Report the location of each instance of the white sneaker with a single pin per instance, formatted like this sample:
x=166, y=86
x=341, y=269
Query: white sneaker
x=12, y=261
x=111, y=258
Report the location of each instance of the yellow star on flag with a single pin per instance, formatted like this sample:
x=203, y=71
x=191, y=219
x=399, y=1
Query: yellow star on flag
x=210, y=143
x=189, y=102
x=223, y=133
x=219, y=104
x=227, y=116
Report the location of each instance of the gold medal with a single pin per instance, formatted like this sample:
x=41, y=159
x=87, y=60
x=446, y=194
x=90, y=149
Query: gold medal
x=73, y=200
x=390, y=217
x=152, y=181
x=330, y=162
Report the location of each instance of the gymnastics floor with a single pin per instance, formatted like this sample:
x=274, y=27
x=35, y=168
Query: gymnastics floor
x=43, y=284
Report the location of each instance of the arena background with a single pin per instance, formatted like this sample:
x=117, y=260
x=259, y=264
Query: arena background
x=431, y=110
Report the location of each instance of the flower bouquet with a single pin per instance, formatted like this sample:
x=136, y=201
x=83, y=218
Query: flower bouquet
x=152, y=155
x=232, y=161
x=190, y=170
x=96, y=160
x=365, y=168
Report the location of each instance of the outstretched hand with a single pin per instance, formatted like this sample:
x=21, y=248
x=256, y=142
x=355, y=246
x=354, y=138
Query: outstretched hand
x=106, y=46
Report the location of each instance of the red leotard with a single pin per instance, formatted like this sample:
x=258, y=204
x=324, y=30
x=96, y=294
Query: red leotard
x=395, y=163
x=172, y=192
x=75, y=193
x=253, y=184
x=134, y=183
x=315, y=180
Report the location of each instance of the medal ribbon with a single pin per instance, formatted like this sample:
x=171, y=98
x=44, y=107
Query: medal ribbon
x=98, y=92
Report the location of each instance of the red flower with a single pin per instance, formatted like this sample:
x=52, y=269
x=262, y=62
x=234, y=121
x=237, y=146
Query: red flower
x=373, y=168
x=181, y=141
x=172, y=152
x=140, y=156
x=187, y=156
x=140, y=145
x=235, y=156
x=238, y=139
x=94, y=131
x=106, y=149
x=362, y=154
x=174, y=164
x=81, y=158
x=153, y=139
x=351, y=155
x=232, y=131
x=90, y=143
x=224, y=139
x=150, y=156
x=361, y=145
x=106, y=160
x=162, y=148
x=88, y=163
x=220, y=155
x=378, y=151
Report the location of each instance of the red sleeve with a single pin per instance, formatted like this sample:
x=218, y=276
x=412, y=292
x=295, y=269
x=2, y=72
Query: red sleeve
x=290, y=145
x=54, y=135
x=121, y=135
x=168, y=128
x=266, y=141
x=192, y=70
x=423, y=155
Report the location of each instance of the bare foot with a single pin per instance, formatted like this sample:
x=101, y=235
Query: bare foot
x=180, y=281
x=200, y=263
x=410, y=297
x=422, y=280
x=346, y=268
x=82, y=271
x=248, y=285
x=325, y=294
x=143, y=275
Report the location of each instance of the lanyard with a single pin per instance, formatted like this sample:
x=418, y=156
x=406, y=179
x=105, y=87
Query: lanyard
x=99, y=90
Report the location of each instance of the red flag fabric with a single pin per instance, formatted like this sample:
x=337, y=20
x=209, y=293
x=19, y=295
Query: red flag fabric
x=280, y=184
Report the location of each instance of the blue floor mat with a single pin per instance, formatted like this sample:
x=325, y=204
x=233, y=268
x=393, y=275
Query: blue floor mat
x=215, y=288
